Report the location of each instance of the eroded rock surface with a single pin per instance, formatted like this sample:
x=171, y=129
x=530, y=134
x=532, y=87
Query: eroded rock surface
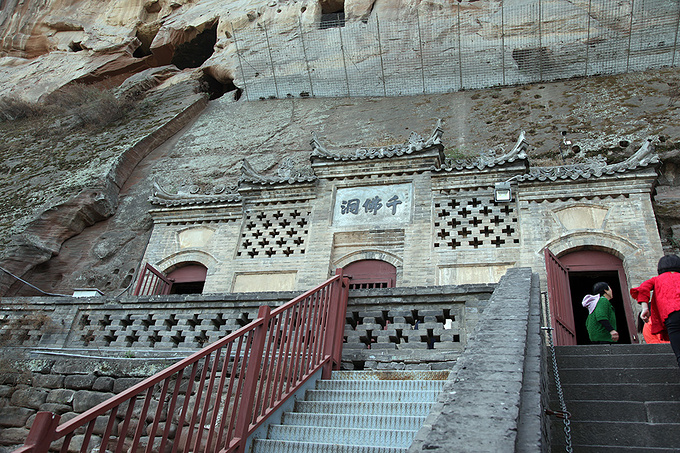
x=74, y=209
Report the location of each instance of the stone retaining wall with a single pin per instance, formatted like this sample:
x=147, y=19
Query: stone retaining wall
x=66, y=386
x=65, y=355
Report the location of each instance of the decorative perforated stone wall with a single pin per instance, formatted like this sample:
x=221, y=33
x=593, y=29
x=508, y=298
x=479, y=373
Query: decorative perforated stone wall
x=274, y=233
x=160, y=329
x=390, y=328
x=472, y=219
x=411, y=328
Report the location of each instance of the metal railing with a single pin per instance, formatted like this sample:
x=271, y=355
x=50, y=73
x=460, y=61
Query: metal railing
x=462, y=47
x=151, y=282
x=213, y=400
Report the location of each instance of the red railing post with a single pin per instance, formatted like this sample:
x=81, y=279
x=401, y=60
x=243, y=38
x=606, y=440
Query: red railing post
x=247, y=406
x=41, y=434
x=339, y=331
x=336, y=325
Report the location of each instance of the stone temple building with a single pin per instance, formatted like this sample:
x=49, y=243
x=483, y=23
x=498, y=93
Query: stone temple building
x=405, y=216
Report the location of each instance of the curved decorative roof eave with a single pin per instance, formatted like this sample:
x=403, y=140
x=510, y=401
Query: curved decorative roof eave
x=414, y=145
x=517, y=153
x=251, y=176
x=162, y=197
x=644, y=157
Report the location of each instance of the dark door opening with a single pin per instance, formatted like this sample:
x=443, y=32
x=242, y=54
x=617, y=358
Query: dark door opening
x=369, y=274
x=581, y=283
x=188, y=279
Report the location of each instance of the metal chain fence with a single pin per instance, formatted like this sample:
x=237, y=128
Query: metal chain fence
x=468, y=48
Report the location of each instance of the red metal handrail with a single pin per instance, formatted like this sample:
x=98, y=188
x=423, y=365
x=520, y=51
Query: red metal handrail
x=152, y=282
x=214, y=399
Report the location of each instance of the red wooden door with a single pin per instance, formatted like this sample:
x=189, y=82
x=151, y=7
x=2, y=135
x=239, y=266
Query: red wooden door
x=598, y=261
x=559, y=298
x=366, y=274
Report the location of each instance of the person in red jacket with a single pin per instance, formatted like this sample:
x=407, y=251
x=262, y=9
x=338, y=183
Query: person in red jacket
x=663, y=310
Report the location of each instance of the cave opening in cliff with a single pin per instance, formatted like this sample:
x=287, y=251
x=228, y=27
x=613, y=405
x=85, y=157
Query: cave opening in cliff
x=332, y=14
x=217, y=89
x=193, y=54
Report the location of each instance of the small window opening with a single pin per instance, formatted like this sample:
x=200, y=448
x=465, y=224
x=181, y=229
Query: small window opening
x=332, y=14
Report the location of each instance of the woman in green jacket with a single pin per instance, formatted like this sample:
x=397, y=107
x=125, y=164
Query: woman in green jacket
x=601, y=322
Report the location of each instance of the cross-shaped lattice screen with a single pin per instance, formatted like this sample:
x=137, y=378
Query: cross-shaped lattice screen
x=465, y=220
x=274, y=233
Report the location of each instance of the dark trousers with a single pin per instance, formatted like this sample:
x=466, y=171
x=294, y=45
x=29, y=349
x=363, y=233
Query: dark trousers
x=673, y=328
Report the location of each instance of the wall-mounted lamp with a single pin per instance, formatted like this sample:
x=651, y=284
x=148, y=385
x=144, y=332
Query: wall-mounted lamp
x=502, y=193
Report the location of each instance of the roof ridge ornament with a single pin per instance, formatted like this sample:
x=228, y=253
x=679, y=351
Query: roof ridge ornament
x=643, y=157
x=595, y=166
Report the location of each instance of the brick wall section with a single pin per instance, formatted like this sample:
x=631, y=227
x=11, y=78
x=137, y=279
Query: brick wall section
x=480, y=407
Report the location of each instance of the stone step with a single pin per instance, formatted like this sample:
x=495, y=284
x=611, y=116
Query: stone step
x=604, y=349
x=378, y=375
x=622, y=392
x=279, y=446
x=619, y=376
x=373, y=385
x=364, y=408
x=560, y=448
x=630, y=411
x=395, y=422
x=630, y=361
x=620, y=434
x=344, y=436
x=387, y=396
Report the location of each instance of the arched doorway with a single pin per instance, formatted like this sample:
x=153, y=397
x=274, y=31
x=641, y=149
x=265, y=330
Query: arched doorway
x=367, y=274
x=571, y=277
x=188, y=278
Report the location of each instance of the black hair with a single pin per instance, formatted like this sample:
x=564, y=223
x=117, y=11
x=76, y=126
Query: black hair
x=600, y=288
x=669, y=263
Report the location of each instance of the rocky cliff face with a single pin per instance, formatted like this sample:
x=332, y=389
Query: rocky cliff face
x=73, y=205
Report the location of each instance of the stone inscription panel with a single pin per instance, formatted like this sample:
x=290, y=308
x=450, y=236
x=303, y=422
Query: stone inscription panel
x=373, y=205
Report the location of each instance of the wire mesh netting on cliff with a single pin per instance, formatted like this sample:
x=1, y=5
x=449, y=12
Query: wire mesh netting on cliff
x=468, y=48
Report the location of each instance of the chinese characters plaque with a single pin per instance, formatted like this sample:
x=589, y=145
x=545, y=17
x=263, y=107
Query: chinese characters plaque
x=373, y=205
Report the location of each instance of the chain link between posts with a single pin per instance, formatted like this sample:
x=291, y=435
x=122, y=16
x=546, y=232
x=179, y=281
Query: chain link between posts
x=563, y=413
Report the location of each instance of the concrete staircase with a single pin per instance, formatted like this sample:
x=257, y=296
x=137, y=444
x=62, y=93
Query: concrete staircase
x=357, y=412
x=622, y=398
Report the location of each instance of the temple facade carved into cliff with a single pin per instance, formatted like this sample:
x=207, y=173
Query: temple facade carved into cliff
x=408, y=216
